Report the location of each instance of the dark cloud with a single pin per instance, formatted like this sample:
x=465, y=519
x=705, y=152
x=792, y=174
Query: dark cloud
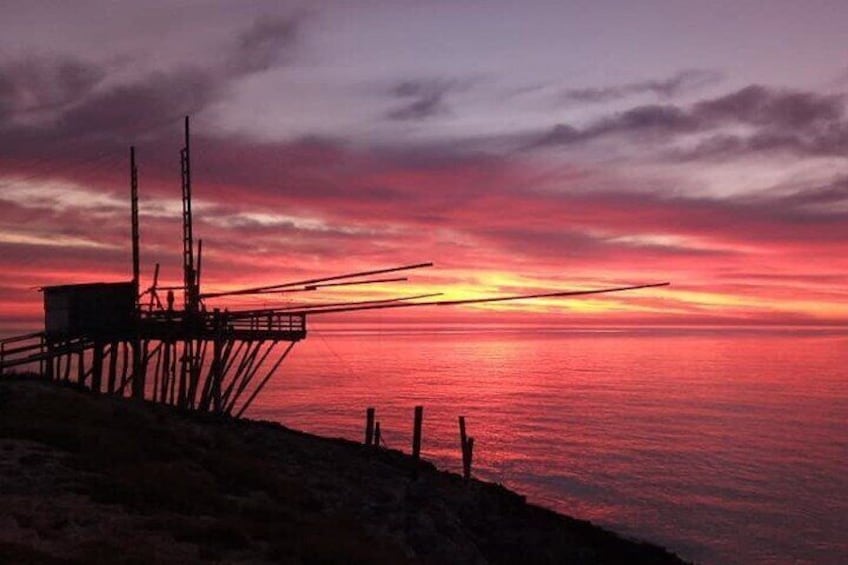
x=669, y=119
x=831, y=140
x=775, y=109
x=38, y=84
x=424, y=99
x=779, y=120
x=125, y=109
x=683, y=81
x=95, y=114
x=266, y=44
x=648, y=120
x=561, y=134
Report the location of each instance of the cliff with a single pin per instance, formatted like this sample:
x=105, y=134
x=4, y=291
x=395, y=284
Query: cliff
x=99, y=479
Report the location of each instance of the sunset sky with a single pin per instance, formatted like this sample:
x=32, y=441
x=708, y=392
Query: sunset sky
x=520, y=146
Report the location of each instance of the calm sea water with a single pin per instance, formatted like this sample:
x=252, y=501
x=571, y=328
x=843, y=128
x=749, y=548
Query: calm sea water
x=726, y=447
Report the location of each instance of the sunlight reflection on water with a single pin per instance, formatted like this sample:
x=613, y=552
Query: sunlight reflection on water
x=727, y=449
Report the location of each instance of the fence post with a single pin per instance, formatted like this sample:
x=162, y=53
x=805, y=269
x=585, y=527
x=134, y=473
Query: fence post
x=416, y=433
x=466, y=445
x=369, y=426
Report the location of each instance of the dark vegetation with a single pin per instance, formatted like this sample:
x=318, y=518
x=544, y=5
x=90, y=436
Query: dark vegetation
x=98, y=479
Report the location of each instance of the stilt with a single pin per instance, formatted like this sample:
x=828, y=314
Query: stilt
x=97, y=367
x=369, y=426
x=416, y=433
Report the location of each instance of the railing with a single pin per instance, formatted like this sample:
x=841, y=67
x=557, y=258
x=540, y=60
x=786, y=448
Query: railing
x=272, y=322
x=21, y=349
x=206, y=323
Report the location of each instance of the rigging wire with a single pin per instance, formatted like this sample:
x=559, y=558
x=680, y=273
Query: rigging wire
x=348, y=368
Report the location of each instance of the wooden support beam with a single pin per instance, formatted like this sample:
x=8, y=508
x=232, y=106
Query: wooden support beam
x=251, y=369
x=217, y=374
x=245, y=351
x=81, y=367
x=125, y=357
x=138, y=373
x=231, y=355
x=113, y=367
x=97, y=367
x=166, y=371
x=196, y=368
x=157, y=372
x=262, y=384
x=49, y=368
x=172, y=374
x=134, y=221
x=369, y=426
x=466, y=445
x=416, y=432
x=67, y=375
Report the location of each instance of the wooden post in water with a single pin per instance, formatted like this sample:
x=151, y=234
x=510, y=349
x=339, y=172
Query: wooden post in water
x=377, y=436
x=416, y=433
x=467, y=446
x=369, y=426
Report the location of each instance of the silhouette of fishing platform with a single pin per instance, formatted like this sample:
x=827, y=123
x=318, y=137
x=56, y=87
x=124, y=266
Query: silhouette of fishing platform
x=113, y=338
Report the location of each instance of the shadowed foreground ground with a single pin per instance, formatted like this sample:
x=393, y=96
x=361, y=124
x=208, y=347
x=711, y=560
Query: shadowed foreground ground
x=97, y=479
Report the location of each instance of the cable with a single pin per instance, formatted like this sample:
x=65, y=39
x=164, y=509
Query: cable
x=348, y=368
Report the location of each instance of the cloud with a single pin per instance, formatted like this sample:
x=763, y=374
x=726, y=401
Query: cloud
x=272, y=210
x=424, y=98
x=317, y=207
x=125, y=109
x=776, y=120
x=269, y=42
x=681, y=82
x=830, y=199
x=62, y=112
x=650, y=120
x=775, y=109
x=37, y=84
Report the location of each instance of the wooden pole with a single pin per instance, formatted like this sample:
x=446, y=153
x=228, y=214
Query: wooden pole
x=264, y=381
x=369, y=426
x=113, y=367
x=166, y=372
x=49, y=366
x=416, y=433
x=97, y=366
x=68, y=358
x=137, y=370
x=377, y=436
x=81, y=367
x=466, y=445
x=134, y=221
x=217, y=363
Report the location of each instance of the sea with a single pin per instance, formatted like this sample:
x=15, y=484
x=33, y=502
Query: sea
x=724, y=445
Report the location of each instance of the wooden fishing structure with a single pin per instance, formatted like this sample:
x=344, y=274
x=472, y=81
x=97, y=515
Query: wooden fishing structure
x=112, y=338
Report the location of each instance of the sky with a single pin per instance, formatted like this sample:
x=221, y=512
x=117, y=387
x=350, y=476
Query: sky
x=520, y=146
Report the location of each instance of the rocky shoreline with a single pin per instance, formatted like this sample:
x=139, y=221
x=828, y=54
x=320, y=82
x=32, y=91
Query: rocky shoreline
x=88, y=479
